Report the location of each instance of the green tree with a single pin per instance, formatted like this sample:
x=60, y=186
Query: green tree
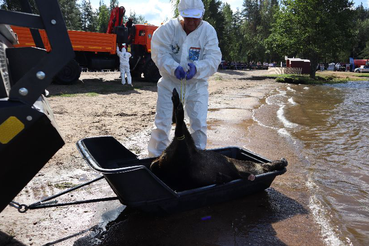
x=257, y=16
x=103, y=18
x=88, y=16
x=214, y=16
x=137, y=19
x=232, y=37
x=268, y=9
x=175, y=7
x=113, y=4
x=71, y=13
x=237, y=42
x=227, y=32
x=17, y=5
x=360, y=47
x=10, y=5
x=313, y=29
x=365, y=52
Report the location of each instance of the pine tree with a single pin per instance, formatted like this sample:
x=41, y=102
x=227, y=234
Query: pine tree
x=113, y=4
x=214, y=16
x=103, y=18
x=88, y=22
x=361, y=44
x=10, y=5
x=228, y=32
x=137, y=19
x=71, y=13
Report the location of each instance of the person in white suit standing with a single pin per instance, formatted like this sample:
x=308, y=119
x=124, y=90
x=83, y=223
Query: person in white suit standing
x=186, y=51
x=124, y=65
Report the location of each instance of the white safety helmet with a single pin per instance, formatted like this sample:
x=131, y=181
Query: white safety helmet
x=191, y=8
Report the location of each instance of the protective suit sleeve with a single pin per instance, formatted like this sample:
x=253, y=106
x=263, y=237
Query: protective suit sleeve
x=118, y=52
x=211, y=58
x=161, y=52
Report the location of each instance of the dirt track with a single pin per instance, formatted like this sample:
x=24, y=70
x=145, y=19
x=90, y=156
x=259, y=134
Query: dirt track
x=100, y=105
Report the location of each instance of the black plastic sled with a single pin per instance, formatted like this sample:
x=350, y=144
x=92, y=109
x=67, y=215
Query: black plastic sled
x=137, y=187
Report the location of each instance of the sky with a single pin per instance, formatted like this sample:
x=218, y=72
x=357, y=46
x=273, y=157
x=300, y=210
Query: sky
x=158, y=11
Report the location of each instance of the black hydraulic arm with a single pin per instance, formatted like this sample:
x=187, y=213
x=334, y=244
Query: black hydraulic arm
x=28, y=132
x=29, y=87
x=26, y=7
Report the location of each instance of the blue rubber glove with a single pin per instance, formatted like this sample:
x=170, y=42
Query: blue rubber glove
x=191, y=71
x=179, y=73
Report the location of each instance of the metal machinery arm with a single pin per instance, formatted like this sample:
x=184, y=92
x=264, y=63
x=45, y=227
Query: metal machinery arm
x=28, y=133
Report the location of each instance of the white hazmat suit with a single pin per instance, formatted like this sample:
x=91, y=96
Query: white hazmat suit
x=124, y=65
x=171, y=47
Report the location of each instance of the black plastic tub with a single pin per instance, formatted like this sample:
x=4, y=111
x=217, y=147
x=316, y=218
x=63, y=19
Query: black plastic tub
x=137, y=187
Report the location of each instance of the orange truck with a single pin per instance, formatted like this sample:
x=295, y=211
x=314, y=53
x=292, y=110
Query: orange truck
x=359, y=62
x=97, y=51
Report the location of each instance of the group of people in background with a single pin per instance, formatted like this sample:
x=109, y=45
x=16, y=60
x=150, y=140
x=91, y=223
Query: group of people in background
x=245, y=65
x=334, y=67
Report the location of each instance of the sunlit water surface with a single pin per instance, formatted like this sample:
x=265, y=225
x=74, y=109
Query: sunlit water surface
x=329, y=127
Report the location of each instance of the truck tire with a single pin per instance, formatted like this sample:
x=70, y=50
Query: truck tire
x=151, y=72
x=136, y=75
x=69, y=74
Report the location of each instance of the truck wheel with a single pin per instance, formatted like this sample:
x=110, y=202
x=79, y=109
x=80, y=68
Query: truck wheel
x=136, y=75
x=151, y=72
x=69, y=74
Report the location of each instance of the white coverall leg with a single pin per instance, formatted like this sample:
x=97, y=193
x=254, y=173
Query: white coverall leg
x=124, y=70
x=163, y=119
x=123, y=74
x=129, y=77
x=196, y=106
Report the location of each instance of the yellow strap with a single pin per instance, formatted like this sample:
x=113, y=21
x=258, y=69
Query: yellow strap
x=183, y=91
x=181, y=138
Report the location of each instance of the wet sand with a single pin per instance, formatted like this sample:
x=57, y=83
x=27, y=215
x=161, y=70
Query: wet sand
x=278, y=216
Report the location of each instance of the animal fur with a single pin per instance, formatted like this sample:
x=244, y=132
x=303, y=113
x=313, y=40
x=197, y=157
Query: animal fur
x=182, y=166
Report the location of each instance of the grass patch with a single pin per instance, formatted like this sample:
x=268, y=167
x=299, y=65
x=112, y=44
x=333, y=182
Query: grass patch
x=365, y=75
x=90, y=89
x=321, y=78
x=64, y=185
x=92, y=94
x=66, y=95
x=89, y=94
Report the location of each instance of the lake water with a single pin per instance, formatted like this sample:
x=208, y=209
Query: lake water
x=329, y=128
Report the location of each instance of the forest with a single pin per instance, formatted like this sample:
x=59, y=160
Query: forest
x=261, y=31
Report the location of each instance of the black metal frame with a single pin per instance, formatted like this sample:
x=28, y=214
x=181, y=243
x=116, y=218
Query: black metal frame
x=51, y=20
x=30, y=70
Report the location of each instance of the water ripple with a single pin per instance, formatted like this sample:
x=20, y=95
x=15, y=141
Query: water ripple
x=332, y=123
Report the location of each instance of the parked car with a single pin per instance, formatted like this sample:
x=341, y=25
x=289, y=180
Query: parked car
x=362, y=69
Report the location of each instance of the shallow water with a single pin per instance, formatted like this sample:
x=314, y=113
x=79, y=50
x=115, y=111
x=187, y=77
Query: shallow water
x=329, y=128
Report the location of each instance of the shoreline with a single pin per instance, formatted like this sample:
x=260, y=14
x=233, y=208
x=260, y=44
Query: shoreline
x=290, y=193
x=279, y=216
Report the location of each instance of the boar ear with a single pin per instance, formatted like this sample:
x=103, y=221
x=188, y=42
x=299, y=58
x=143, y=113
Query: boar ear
x=175, y=99
x=155, y=167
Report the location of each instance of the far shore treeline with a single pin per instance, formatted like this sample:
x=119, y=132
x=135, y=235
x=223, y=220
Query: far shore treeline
x=261, y=31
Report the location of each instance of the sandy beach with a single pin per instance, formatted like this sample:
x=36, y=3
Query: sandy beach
x=100, y=105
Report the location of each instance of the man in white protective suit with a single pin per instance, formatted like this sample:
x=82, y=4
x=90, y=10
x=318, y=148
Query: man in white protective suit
x=124, y=65
x=186, y=52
